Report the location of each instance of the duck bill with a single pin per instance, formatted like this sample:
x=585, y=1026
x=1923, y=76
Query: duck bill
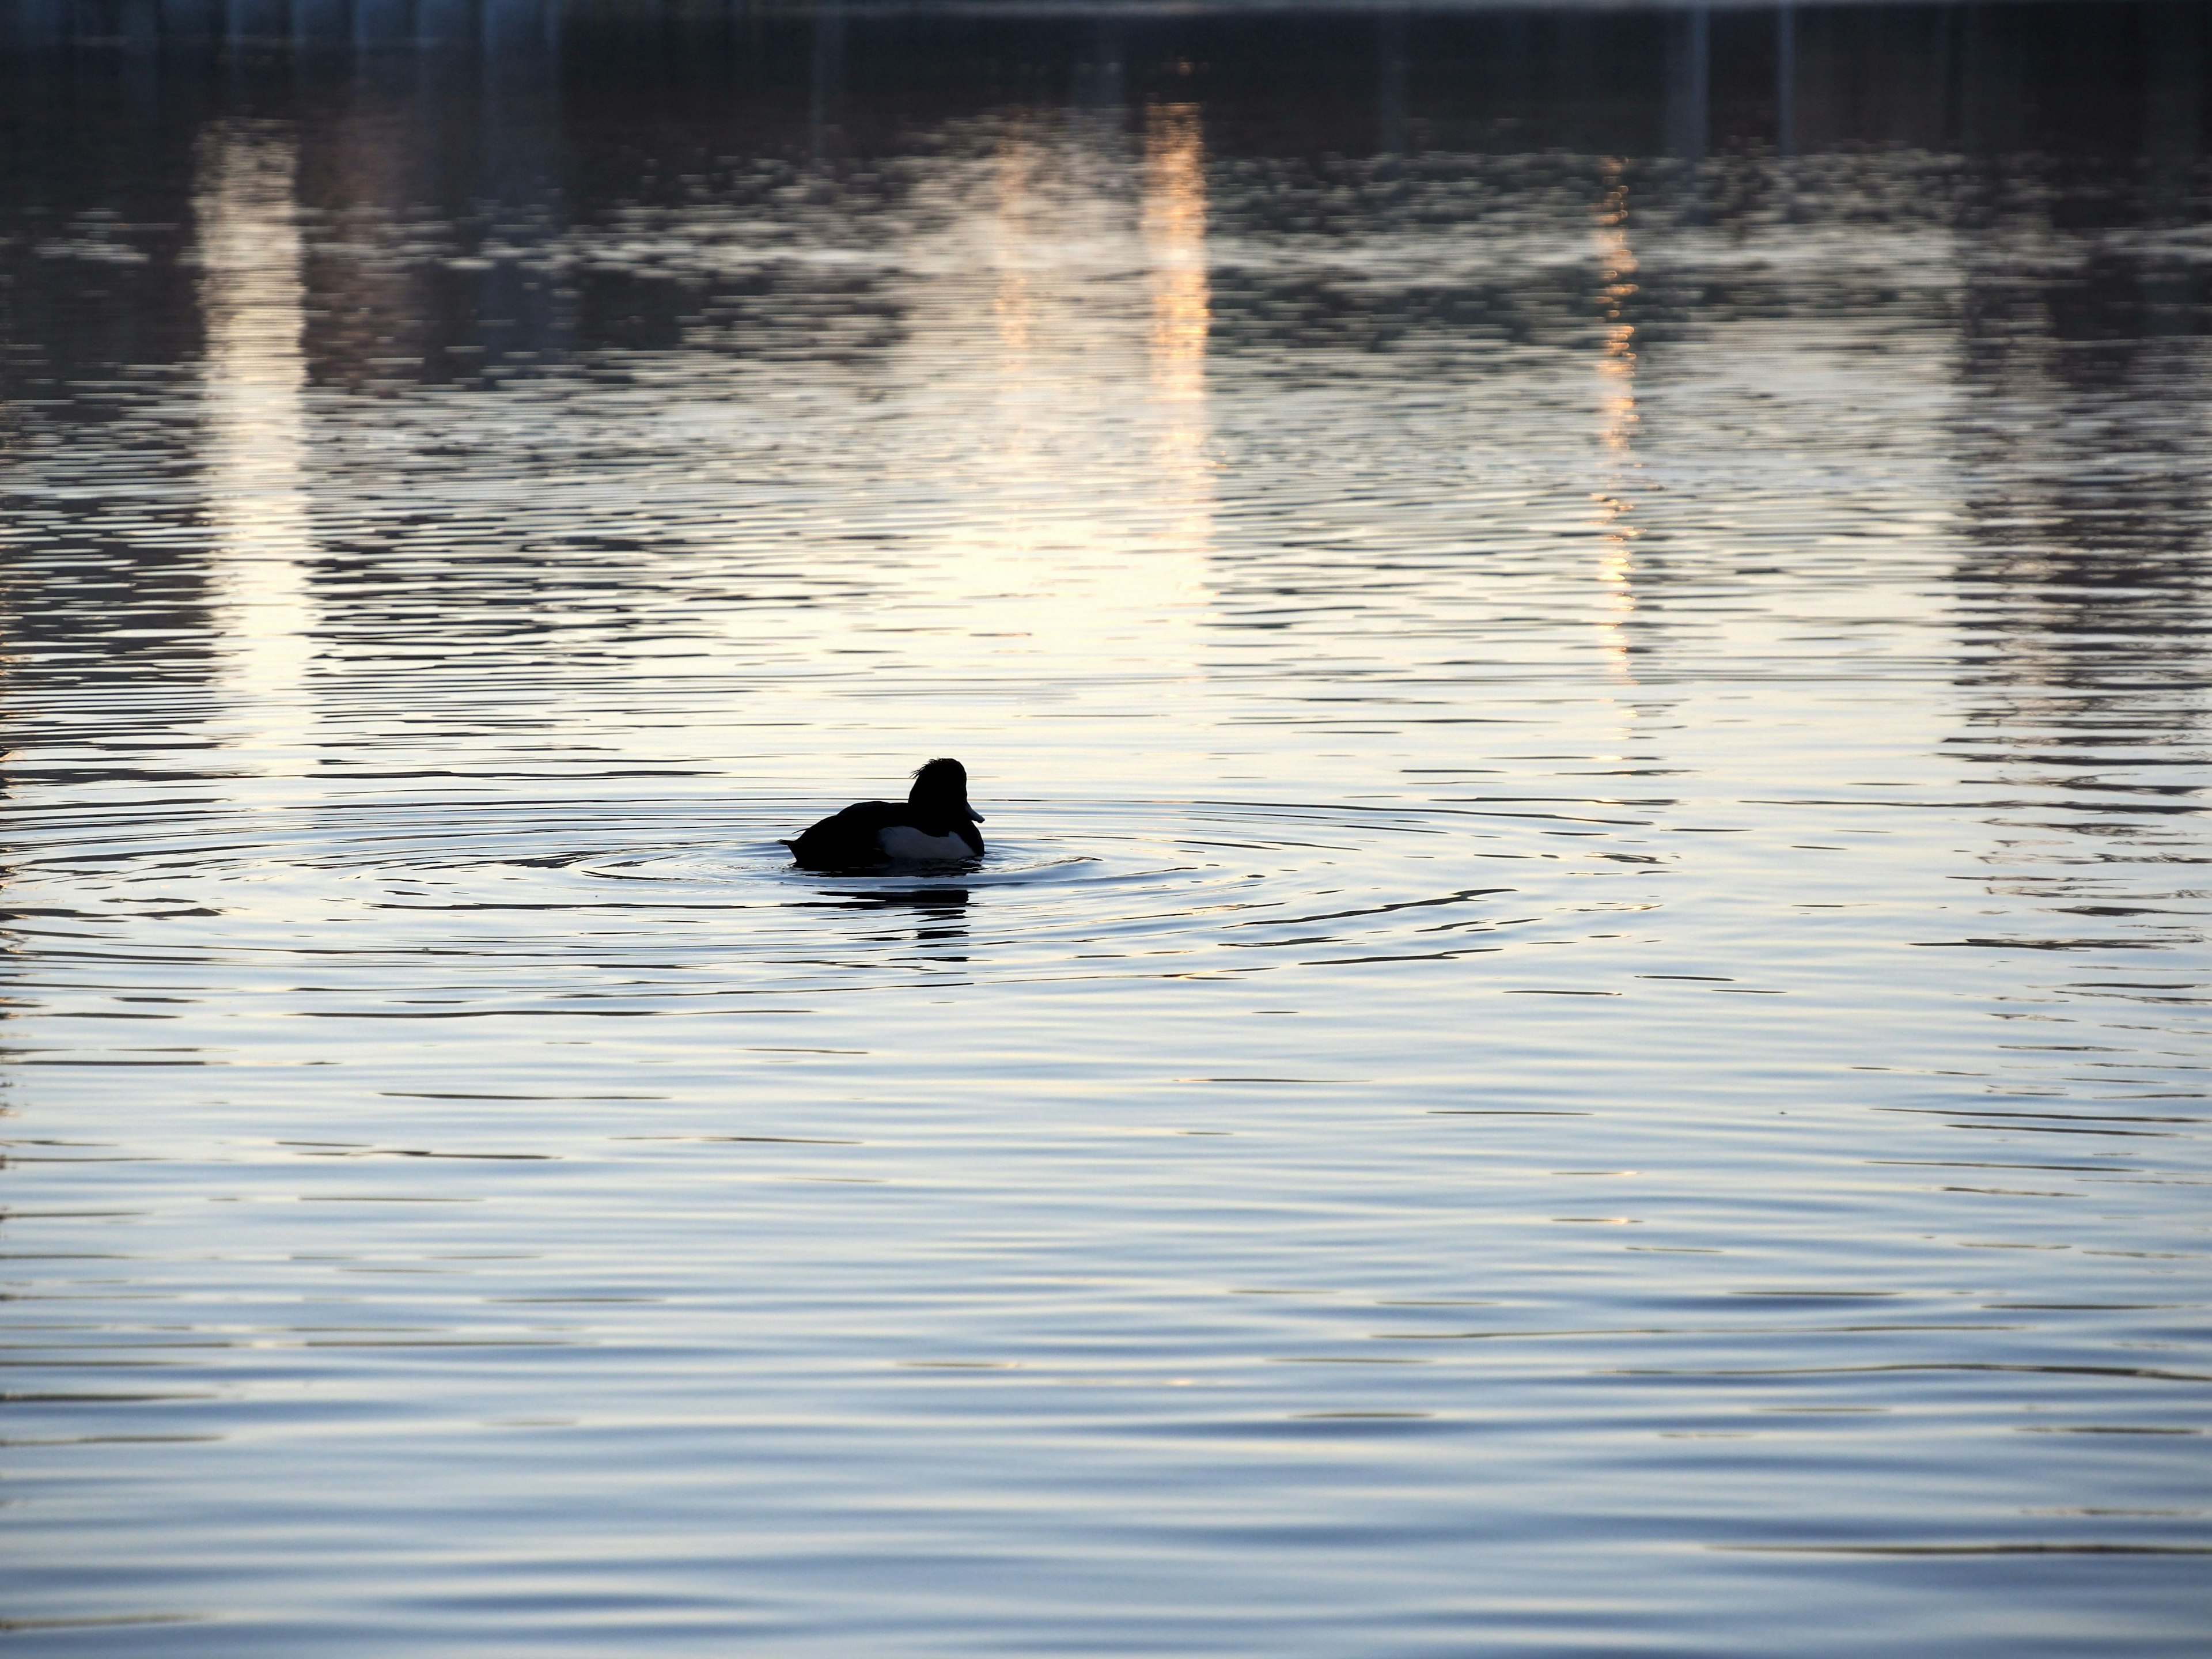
x=975, y=815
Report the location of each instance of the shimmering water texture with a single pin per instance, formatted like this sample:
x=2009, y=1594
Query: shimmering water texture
x=1584, y=641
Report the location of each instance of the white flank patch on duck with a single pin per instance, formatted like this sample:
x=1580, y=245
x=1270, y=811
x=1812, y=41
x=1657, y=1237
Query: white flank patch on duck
x=904, y=842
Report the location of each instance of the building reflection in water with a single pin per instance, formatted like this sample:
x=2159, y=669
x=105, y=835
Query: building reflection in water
x=254, y=454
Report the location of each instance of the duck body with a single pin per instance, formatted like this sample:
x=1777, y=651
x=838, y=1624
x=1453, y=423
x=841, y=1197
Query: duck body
x=933, y=825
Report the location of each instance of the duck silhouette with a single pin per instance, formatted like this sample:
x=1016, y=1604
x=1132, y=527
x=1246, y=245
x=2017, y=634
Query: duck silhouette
x=934, y=825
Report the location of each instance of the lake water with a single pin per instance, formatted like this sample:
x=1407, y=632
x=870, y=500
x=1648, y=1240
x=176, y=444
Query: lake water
x=1585, y=636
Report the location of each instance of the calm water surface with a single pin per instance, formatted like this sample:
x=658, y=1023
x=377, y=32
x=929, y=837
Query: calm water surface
x=1584, y=639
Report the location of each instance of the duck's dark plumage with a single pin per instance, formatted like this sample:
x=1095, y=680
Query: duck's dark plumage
x=872, y=833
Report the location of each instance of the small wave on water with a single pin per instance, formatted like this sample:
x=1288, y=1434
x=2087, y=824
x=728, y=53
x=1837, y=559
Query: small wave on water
x=1203, y=888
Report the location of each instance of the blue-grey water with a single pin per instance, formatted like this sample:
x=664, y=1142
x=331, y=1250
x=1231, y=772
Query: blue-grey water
x=1585, y=636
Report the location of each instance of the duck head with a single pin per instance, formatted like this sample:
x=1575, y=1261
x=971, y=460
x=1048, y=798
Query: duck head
x=940, y=791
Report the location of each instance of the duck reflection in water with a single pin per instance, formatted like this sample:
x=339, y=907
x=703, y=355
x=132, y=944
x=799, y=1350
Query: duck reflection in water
x=939, y=915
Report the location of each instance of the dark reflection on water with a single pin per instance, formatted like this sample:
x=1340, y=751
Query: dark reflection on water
x=1584, y=635
x=2081, y=581
x=937, y=916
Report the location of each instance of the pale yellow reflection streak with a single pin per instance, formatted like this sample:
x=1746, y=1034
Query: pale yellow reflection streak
x=1012, y=303
x=1182, y=308
x=1617, y=415
x=1055, y=526
x=253, y=303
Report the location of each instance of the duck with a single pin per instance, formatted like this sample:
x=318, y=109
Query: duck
x=936, y=825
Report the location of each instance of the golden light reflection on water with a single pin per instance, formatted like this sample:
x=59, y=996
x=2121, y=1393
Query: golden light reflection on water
x=1013, y=303
x=1174, y=231
x=1060, y=319
x=1617, y=415
x=1182, y=307
x=255, y=451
